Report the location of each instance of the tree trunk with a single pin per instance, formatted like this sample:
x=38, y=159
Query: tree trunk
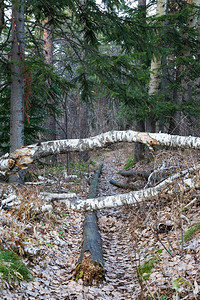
x=17, y=82
x=1, y=15
x=177, y=183
x=90, y=264
x=50, y=122
x=84, y=129
x=175, y=119
x=141, y=175
x=21, y=158
x=135, y=174
x=155, y=73
x=139, y=150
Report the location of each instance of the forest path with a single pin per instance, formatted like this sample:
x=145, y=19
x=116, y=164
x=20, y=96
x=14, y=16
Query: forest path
x=114, y=225
x=53, y=272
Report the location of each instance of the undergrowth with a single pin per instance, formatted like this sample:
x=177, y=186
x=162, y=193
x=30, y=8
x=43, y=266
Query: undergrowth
x=130, y=162
x=144, y=270
x=12, y=268
x=191, y=231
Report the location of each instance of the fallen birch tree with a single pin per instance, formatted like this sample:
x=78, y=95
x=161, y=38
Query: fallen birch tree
x=135, y=197
x=21, y=158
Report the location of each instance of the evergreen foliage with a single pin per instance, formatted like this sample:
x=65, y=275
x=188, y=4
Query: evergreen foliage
x=103, y=50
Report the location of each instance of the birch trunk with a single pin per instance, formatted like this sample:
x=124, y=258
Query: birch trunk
x=155, y=71
x=21, y=158
x=17, y=82
x=138, y=196
x=184, y=182
x=156, y=63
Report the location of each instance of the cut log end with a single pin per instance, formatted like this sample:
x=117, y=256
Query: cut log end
x=90, y=271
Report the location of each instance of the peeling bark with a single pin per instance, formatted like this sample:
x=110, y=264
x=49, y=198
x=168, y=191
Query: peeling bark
x=49, y=197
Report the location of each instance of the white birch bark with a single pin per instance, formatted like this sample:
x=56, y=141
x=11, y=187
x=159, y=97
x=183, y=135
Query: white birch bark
x=21, y=158
x=184, y=181
x=155, y=70
x=48, y=197
x=156, y=63
x=138, y=196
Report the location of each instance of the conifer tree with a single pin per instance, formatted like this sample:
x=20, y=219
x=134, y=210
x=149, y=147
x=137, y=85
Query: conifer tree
x=17, y=81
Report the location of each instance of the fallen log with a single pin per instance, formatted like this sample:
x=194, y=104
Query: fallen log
x=90, y=267
x=140, y=175
x=135, y=174
x=134, y=197
x=126, y=186
x=21, y=158
x=48, y=197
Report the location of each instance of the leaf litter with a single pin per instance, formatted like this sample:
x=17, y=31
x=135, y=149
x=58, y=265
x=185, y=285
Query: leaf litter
x=133, y=244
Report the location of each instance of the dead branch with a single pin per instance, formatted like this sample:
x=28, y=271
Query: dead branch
x=135, y=174
x=126, y=186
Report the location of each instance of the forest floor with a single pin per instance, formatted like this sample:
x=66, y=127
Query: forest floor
x=151, y=250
